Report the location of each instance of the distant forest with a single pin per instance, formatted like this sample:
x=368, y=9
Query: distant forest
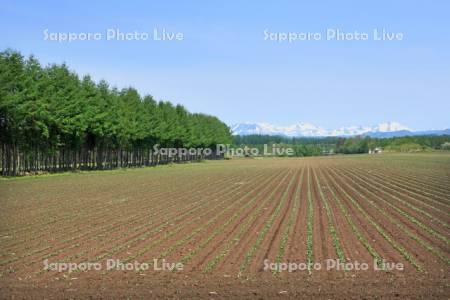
x=53, y=120
x=305, y=146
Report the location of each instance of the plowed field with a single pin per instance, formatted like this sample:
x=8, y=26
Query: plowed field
x=234, y=227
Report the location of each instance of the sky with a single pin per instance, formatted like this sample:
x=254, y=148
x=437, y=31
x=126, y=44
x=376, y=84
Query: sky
x=232, y=63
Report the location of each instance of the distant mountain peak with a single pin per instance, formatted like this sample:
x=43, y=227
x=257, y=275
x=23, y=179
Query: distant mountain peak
x=390, y=127
x=304, y=129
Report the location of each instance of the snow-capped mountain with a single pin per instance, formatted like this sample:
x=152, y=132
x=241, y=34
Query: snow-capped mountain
x=386, y=129
x=389, y=127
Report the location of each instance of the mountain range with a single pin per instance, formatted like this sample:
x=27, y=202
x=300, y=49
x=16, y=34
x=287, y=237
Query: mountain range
x=382, y=130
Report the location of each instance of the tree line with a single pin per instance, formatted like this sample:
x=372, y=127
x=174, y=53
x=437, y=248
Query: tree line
x=51, y=119
x=314, y=146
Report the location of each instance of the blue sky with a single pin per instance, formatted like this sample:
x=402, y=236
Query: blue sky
x=224, y=67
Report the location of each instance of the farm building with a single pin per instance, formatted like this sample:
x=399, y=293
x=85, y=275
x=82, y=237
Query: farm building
x=375, y=150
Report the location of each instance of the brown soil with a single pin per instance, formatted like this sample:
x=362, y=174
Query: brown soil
x=224, y=212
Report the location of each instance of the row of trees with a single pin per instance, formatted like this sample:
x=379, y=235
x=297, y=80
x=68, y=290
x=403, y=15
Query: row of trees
x=52, y=120
x=305, y=146
x=393, y=144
